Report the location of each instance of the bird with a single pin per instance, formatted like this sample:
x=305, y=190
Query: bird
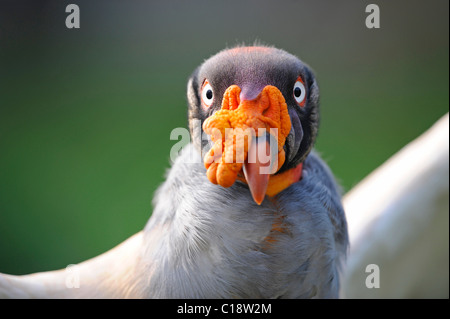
x=226, y=223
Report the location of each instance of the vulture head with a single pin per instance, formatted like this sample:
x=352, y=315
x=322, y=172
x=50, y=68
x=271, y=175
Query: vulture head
x=253, y=115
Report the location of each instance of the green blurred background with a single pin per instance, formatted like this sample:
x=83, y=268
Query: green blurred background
x=85, y=114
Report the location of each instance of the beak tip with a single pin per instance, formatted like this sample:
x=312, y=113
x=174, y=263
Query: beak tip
x=258, y=200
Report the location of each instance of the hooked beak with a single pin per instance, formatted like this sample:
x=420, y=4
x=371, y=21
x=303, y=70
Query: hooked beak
x=257, y=171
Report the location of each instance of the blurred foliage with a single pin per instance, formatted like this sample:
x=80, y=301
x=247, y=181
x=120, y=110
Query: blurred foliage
x=85, y=115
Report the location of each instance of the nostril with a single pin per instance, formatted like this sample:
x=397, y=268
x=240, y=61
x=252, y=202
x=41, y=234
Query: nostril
x=250, y=92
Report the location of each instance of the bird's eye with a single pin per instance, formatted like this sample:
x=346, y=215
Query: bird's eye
x=299, y=92
x=207, y=94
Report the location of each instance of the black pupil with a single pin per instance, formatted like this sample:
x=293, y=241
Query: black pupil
x=297, y=92
x=209, y=94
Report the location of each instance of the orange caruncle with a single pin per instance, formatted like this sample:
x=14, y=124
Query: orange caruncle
x=243, y=118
